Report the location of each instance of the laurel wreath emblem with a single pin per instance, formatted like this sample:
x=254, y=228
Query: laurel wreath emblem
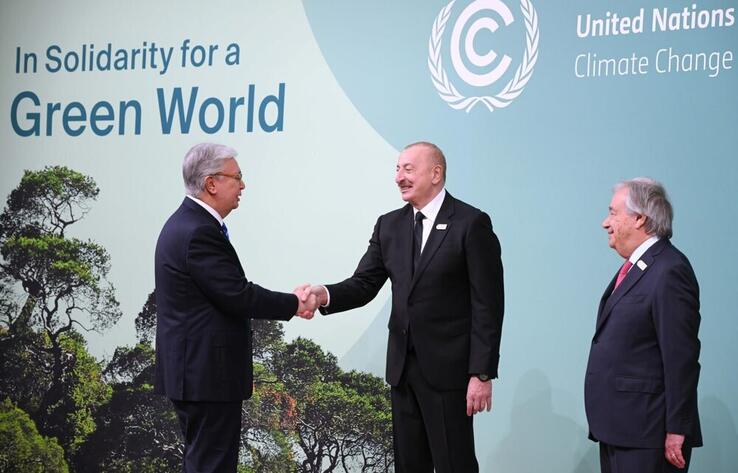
x=512, y=89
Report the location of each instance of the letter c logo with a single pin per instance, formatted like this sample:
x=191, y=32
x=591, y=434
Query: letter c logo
x=472, y=78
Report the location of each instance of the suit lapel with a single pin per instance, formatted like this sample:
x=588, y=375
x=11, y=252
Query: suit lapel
x=631, y=279
x=436, y=236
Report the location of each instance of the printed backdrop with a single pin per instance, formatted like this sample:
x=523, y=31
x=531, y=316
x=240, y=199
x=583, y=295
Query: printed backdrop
x=540, y=107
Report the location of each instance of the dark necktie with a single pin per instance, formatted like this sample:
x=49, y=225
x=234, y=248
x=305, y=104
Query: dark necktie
x=623, y=271
x=224, y=229
x=417, y=239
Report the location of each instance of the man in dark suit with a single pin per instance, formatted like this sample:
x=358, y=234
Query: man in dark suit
x=447, y=303
x=204, y=307
x=641, y=382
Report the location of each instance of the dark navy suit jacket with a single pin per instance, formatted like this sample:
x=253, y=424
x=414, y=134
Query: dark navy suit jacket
x=452, y=306
x=204, y=306
x=643, y=368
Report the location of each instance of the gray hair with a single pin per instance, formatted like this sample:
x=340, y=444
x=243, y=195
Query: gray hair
x=648, y=197
x=201, y=161
x=436, y=154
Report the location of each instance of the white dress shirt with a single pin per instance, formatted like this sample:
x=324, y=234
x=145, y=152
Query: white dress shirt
x=431, y=212
x=642, y=248
x=210, y=210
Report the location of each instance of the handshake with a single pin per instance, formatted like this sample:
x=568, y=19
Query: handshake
x=309, y=299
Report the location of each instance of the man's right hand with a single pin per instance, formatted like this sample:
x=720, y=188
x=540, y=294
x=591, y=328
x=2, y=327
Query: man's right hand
x=307, y=303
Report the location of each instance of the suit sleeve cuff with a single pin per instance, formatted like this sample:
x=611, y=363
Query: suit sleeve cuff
x=328, y=297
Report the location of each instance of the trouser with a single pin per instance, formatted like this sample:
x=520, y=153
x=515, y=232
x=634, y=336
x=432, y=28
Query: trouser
x=211, y=432
x=431, y=428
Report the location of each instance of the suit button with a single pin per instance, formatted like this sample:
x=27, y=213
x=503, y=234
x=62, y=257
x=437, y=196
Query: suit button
x=404, y=331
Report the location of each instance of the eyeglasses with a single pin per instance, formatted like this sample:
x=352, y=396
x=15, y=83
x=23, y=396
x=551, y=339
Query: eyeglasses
x=238, y=176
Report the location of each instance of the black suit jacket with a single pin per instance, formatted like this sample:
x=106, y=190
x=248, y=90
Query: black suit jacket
x=204, y=303
x=643, y=365
x=453, y=305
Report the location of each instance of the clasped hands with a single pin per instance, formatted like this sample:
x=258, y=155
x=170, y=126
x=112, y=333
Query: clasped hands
x=309, y=299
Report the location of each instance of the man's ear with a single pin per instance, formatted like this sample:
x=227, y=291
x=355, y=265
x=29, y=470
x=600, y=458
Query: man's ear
x=210, y=185
x=437, y=174
x=640, y=221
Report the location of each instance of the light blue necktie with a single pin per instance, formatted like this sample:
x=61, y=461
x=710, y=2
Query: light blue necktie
x=224, y=229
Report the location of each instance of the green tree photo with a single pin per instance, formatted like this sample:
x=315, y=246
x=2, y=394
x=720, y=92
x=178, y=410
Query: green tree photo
x=62, y=288
x=64, y=410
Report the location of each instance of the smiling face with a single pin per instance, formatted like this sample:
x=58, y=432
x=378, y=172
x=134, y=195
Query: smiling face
x=419, y=178
x=224, y=187
x=625, y=231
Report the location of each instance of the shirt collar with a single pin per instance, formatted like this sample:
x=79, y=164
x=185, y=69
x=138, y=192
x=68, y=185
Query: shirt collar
x=210, y=210
x=642, y=248
x=431, y=208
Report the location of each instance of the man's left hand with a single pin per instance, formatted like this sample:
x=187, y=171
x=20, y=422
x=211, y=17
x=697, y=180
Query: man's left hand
x=673, y=450
x=307, y=303
x=478, y=396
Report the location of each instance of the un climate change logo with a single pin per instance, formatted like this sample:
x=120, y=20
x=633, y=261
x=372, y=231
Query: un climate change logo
x=514, y=87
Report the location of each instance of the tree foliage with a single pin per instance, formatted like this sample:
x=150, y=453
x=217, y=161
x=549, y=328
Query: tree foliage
x=62, y=277
x=24, y=366
x=72, y=418
x=268, y=338
x=146, y=320
x=46, y=202
x=24, y=450
x=342, y=421
x=268, y=419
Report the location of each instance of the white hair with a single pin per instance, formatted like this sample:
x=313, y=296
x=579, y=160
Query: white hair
x=648, y=197
x=201, y=161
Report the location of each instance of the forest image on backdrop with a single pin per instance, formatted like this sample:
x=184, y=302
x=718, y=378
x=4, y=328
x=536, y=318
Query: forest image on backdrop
x=63, y=410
